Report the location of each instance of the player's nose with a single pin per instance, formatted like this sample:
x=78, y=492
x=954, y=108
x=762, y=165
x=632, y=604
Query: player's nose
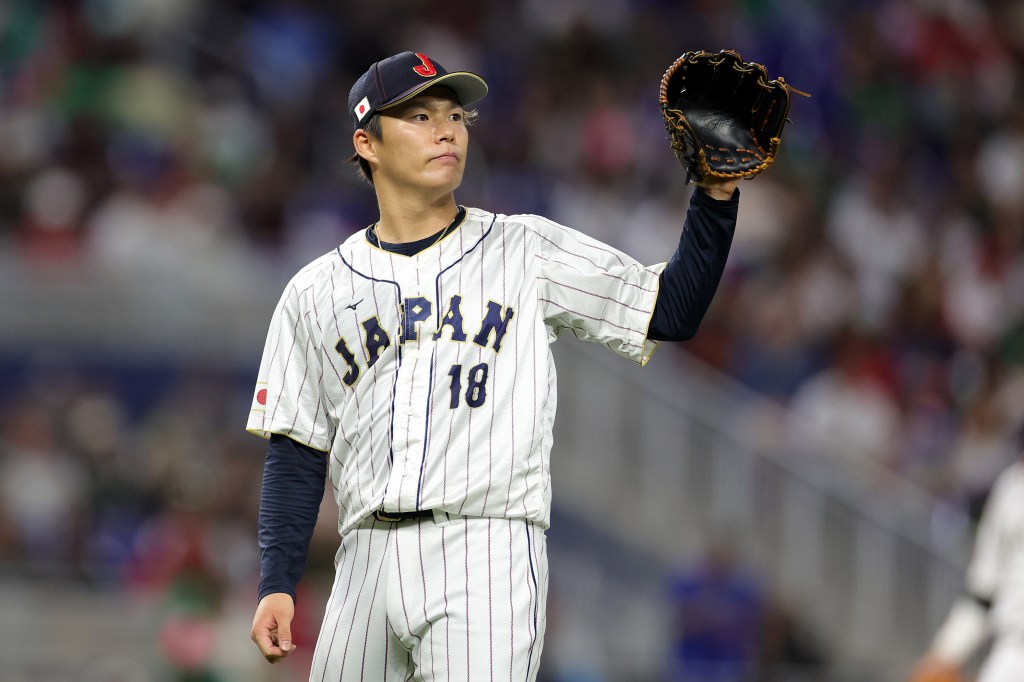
x=444, y=131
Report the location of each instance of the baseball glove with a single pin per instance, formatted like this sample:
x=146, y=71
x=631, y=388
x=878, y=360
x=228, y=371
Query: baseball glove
x=724, y=115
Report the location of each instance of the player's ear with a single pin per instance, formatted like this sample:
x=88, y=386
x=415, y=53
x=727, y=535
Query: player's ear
x=364, y=145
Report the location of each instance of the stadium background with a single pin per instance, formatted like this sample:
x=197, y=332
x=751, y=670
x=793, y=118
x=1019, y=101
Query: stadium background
x=166, y=165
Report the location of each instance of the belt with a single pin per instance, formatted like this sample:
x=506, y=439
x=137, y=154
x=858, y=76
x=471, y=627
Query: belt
x=397, y=517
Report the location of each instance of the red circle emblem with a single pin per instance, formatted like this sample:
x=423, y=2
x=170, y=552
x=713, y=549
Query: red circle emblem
x=261, y=396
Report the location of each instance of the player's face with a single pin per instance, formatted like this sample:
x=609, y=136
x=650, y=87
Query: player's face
x=423, y=143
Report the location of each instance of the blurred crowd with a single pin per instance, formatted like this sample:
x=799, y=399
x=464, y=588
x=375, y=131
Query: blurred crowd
x=870, y=287
x=136, y=481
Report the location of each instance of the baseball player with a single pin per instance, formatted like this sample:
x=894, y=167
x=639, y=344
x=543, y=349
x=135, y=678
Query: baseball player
x=412, y=363
x=992, y=606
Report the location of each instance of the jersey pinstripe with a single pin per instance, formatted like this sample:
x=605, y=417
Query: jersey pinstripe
x=429, y=378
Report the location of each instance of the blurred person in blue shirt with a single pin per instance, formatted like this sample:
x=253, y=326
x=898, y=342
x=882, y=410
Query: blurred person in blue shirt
x=718, y=617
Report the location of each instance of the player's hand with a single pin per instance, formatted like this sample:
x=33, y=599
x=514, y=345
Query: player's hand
x=931, y=669
x=272, y=626
x=719, y=189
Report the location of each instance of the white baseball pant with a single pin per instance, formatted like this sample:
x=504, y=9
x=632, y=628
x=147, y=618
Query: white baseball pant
x=450, y=598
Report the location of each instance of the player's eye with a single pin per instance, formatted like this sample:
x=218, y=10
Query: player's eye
x=457, y=116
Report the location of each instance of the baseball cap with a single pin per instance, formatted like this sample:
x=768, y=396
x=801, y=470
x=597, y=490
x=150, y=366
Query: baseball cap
x=393, y=80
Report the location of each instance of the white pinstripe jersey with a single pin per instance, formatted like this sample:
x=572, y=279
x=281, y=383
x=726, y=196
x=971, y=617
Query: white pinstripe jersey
x=429, y=378
x=996, y=570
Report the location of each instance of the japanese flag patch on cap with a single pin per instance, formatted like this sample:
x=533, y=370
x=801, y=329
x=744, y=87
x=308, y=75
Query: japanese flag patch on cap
x=362, y=109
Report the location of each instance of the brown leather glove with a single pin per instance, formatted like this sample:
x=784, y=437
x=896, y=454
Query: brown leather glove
x=724, y=115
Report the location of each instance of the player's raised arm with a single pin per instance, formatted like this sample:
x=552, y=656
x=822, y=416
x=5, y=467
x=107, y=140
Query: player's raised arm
x=690, y=279
x=725, y=119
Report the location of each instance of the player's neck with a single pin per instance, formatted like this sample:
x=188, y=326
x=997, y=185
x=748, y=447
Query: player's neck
x=408, y=221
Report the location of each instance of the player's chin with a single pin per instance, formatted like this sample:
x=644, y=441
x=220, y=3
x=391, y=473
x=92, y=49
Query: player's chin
x=446, y=178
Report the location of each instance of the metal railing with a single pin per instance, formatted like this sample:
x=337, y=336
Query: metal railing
x=666, y=457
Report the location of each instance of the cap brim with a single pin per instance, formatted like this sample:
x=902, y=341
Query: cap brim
x=468, y=87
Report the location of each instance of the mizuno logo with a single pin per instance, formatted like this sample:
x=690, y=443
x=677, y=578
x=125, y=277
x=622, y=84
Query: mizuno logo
x=353, y=306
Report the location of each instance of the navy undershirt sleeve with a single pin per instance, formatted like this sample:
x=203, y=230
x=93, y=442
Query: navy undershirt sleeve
x=293, y=487
x=689, y=281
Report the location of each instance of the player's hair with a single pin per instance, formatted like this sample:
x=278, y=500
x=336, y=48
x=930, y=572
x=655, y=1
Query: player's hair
x=374, y=129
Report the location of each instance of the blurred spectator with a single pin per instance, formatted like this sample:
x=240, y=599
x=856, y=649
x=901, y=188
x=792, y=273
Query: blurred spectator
x=42, y=490
x=51, y=228
x=719, y=615
x=876, y=228
x=848, y=407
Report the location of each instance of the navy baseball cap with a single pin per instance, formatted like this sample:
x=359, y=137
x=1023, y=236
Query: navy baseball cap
x=393, y=80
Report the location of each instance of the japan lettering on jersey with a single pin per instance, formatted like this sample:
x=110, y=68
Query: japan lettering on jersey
x=429, y=378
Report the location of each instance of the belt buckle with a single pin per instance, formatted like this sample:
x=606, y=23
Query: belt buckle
x=382, y=515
